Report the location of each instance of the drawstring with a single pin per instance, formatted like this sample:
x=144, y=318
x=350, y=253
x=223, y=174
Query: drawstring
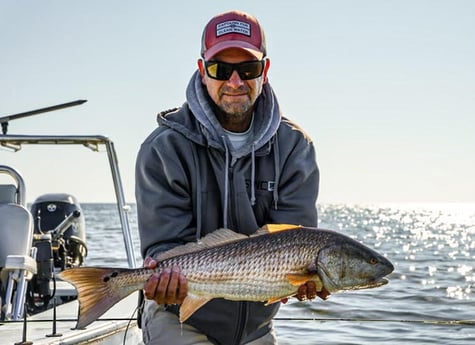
x=198, y=198
x=253, y=175
x=276, y=173
x=275, y=192
x=226, y=186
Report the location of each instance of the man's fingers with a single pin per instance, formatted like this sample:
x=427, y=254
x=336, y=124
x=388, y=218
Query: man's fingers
x=149, y=262
x=311, y=290
x=182, y=289
x=173, y=285
x=324, y=294
x=162, y=287
x=167, y=287
x=302, y=292
x=150, y=286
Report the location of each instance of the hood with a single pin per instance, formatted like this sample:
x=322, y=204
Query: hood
x=267, y=117
x=201, y=126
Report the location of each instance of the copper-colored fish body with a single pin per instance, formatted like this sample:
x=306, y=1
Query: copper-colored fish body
x=266, y=267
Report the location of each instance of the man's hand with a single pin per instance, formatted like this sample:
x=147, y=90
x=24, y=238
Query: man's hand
x=167, y=287
x=309, y=291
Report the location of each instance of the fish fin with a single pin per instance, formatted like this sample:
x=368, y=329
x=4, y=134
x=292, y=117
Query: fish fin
x=298, y=279
x=217, y=237
x=97, y=291
x=191, y=304
x=276, y=299
x=271, y=228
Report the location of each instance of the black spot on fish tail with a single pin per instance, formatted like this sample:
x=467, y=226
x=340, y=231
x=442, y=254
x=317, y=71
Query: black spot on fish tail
x=112, y=275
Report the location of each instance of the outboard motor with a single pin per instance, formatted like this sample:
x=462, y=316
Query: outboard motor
x=60, y=239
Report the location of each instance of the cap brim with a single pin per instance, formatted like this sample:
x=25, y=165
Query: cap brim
x=219, y=47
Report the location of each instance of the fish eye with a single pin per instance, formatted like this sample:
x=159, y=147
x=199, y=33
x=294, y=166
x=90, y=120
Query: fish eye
x=373, y=261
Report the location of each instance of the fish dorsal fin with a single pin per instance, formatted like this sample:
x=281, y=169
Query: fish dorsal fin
x=272, y=228
x=218, y=237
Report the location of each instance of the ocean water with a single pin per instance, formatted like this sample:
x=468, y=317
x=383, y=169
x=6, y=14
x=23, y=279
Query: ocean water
x=430, y=298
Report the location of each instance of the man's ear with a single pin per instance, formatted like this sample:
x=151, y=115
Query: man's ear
x=201, y=68
x=266, y=69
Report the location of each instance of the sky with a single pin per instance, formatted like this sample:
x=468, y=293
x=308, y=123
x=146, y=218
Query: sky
x=386, y=89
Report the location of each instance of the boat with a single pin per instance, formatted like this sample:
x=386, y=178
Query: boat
x=38, y=241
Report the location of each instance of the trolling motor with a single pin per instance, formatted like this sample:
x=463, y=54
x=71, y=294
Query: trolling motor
x=60, y=239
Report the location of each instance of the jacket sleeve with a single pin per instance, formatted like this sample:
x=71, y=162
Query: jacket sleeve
x=299, y=179
x=162, y=192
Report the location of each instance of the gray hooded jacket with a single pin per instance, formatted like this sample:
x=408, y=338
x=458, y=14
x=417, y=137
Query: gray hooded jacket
x=190, y=181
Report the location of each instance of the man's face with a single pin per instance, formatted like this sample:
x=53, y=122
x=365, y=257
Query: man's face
x=234, y=97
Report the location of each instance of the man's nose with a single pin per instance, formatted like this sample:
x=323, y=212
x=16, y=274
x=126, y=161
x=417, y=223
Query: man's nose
x=235, y=80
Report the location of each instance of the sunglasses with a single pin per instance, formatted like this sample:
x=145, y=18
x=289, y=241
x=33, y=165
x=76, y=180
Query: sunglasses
x=222, y=70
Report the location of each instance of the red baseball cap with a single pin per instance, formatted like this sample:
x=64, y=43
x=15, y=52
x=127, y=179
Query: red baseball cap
x=233, y=29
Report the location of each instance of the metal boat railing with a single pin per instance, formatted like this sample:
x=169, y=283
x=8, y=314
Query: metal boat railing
x=16, y=142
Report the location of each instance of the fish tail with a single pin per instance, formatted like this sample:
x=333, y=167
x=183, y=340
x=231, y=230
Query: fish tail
x=98, y=290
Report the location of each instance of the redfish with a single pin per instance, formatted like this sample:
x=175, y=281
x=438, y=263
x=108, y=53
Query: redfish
x=267, y=266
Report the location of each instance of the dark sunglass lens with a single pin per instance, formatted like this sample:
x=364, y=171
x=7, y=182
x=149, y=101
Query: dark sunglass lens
x=223, y=71
x=250, y=70
x=219, y=70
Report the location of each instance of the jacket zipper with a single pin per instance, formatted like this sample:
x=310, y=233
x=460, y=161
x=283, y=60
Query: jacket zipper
x=242, y=312
x=231, y=202
x=241, y=323
x=232, y=221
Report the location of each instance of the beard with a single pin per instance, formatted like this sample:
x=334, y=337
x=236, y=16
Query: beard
x=235, y=111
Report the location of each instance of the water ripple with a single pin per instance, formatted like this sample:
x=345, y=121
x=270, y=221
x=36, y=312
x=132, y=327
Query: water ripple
x=431, y=246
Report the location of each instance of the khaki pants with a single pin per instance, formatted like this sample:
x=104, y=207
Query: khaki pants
x=160, y=327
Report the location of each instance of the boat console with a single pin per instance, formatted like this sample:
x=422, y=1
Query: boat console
x=40, y=240
x=17, y=263
x=35, y=245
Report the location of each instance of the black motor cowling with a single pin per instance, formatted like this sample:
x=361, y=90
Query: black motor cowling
x=60, y=215
x=60, y=241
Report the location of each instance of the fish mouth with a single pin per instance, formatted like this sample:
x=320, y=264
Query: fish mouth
x=370, y=285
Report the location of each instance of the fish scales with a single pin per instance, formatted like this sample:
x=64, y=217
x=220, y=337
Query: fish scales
x=253, y=270
x=267, y=266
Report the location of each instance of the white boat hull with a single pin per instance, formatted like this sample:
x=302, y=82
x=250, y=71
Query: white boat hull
x=115, y=325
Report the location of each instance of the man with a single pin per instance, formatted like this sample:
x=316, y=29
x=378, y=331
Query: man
x=226, y=158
